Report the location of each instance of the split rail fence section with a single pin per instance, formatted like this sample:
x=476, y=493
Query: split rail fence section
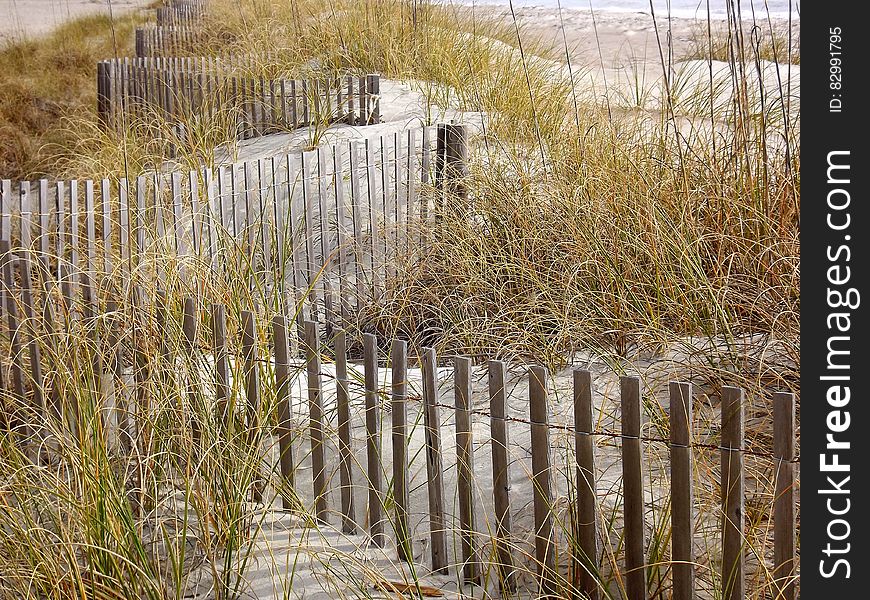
x=493, y=554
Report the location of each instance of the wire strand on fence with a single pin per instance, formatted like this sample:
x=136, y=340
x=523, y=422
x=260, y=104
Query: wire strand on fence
x=602, y=433
x=569, y=429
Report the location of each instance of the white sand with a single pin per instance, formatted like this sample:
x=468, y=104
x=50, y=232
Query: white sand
x=609, y=38
x=612, y=55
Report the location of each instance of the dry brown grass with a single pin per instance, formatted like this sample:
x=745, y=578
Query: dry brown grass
x=47, y=81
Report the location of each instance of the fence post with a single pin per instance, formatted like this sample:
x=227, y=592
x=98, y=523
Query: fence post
x=465, y=466
x=373, y=99
x=632, y=482
x=285, y=423
x=115, y=376
x=783, y=506
x=106, y=205
x=682, y=556
x=501, y=482
x=542, y=481
x=374, y=246
x=451, y=167
x=61, y=235
x=6, y=210
x=141, y=372
x=456, y=163
x=89, y=292
x=440, y=159
x=52, y=338
x=340, y=234
x=308, y=194
x=326, y=241
x=586, y=551
x=315, y=407
x=124, y=228
x=345, y=451
x=103, y=89
x=140, y=42
x=373, y=440
x=42, y=224
x=252, y=392
x=399, y=361
x=74, y=258
x=164, y=352
x=221, y=364
x=25, y=215
x=357, y=201
x=434, y=469
x=33, y=347
x=733, y=585
x=189, y=330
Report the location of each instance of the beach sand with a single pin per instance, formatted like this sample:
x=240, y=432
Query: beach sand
x=612, y=39
x=597, y=39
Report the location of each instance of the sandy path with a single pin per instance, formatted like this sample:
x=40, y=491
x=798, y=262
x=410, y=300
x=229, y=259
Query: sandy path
x=28, y=18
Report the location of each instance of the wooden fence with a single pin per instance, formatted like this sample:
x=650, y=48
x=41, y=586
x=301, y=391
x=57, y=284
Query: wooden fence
x=176, y=33
x=179, y=13
x=321, y=224
x=33, y=399
x=174, y=40
x=177, y=90
x=330, y=226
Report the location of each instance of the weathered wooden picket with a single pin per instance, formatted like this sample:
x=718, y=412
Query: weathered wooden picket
x=32, y=399
x=178, y=89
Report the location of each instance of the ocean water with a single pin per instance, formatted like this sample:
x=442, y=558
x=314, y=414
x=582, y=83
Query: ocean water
x=676, y=8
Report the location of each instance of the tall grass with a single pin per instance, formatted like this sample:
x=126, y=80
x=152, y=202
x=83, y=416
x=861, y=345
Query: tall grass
x=662, y=223
x=46, y=82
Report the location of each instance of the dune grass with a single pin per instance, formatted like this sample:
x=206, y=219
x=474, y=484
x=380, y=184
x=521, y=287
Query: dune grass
x=48, y=91
x=602, y=227
x=597, y=224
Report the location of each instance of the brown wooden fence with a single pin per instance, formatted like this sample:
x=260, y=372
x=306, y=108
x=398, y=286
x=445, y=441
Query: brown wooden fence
x=94, y=259
x=375, y=493
x=180, y=13
x=178, y=89
x=169, y=40
x=177, y=31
